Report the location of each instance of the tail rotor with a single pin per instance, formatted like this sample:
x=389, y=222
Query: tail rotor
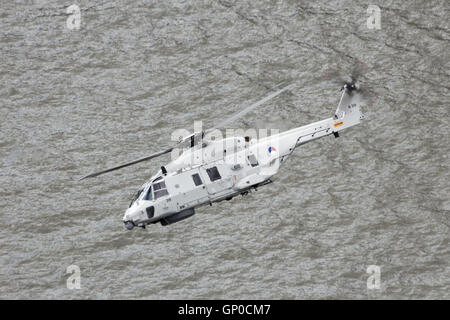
x=355, y=81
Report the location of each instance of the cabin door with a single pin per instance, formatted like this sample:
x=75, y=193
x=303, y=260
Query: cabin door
x=216, y=179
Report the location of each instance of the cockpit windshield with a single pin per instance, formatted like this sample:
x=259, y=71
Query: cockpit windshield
x=148, y=194
x=144, y=193
x=136, y=196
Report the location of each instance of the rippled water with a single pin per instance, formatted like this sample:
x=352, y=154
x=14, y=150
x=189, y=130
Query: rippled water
x=76, y=101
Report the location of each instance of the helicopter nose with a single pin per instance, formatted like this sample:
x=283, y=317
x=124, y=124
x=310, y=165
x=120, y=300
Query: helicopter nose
x=129, y=225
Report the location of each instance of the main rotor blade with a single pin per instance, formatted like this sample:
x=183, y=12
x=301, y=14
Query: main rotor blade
x=95, y=174
x=244, y=111
x=221, y=125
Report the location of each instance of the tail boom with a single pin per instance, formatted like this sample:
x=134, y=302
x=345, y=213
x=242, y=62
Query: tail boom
x=348, y=114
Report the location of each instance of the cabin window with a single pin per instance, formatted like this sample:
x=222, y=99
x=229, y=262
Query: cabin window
x=197, y=179
x=160, y=189
x=252, y=160
x=213, y=174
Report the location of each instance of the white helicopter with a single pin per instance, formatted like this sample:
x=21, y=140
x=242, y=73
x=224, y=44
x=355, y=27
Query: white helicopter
x=211, y=170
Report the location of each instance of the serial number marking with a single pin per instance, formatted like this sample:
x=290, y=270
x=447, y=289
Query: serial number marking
x=249, y=309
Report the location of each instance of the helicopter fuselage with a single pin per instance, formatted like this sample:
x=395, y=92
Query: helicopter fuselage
x=212, y=171
x=202, y=175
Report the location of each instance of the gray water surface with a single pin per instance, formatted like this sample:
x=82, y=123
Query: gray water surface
x=77, y=101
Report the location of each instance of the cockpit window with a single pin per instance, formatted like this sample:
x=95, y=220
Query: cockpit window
x=161, y=193
x=160, y=189
x=148, y=195
x=159, y=185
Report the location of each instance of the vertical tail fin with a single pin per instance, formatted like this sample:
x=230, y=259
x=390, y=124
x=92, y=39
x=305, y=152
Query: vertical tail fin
x=348, y=112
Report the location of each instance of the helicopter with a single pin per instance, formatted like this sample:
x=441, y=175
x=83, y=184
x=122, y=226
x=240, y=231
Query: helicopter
x=210, y=170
